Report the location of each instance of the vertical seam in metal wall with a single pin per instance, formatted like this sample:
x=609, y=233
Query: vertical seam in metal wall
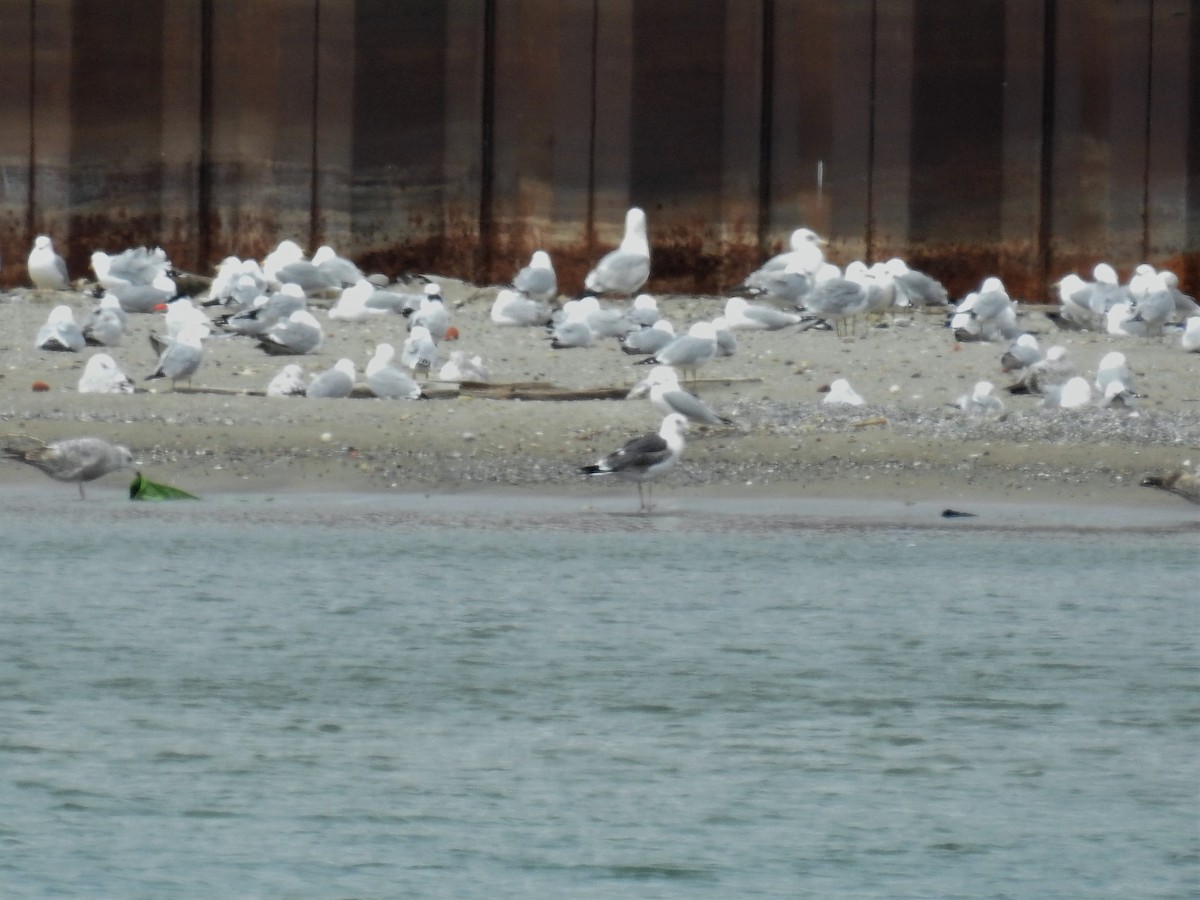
x=869, y=238
x=487, y=162
x=205, y=175
x=314, y=202
x=766, y=124
x=589, y=234
x=1147, y=136
x=1046, y=175
x=31, y=182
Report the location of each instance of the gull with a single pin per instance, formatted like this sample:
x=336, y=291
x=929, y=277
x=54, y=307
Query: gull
x=789, y=284
x=1075, y=313
x=513, y=308
x=1190, y=339
x=644, y=310
x=1114, y=381
x=387, y=381
x=138, y=265
x=644, y=459
x=286, y=264
x=238, y=282
x=182, y=356
x=288, y=382
x=840, y=393
x=985, y=315
x=60, y=332
x=145, y=298
x=337, y=271
x=1021, y=354
x=47, y=270
x=431, y=314
x=72, y=460
x=668, y=396
x=804, y=256
x=354, y=303
x=624, y=270
x=839, y=298
x=537, y=281
x=915, y=288
x=1046, y=375
x=1181, y=482
x=648, y=340
x=688, y=352
x=572, y=330
x=741, y=314
x=419, y=352
x=1075, y=393
x=106, y=323
x=981, y=401
x=102, y=375
x=726, y=339
x=606, y=322
x=266, y=311
x=1104, y=291
x=462, y=368
x=1122, y=319
x=336, y=382
x=881, y=290
x=1156, y=306
x=298, y=334
x=1184, y=305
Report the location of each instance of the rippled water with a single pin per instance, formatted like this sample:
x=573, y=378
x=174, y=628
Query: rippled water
x=277, y=700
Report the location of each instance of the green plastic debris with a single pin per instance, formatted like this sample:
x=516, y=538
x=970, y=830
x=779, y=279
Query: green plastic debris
x=143, y=488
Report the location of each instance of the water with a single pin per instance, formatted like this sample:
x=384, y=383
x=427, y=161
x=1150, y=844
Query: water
x=291, y=699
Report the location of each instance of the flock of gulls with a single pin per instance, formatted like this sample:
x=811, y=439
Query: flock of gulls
x=268, y=302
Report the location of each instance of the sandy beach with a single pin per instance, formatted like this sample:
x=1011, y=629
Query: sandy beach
x=907, y=444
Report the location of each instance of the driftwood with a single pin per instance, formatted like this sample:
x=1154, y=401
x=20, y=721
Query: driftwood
x=511, y=390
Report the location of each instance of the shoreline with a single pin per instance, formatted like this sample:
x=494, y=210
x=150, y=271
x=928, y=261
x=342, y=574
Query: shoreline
x=905, y=445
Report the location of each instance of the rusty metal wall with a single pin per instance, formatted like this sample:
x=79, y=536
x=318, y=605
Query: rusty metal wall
x=1024, y=138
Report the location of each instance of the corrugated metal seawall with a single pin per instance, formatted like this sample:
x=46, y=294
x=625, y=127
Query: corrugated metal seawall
x=1025, y=138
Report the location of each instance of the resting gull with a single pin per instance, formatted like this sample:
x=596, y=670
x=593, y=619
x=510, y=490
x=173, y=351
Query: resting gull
x=102, y=375
x=981, y=401
x=386, y=380
x=336, y=382
x=537, y=280
x=646, y=458
x=288, y=382
x=72, y=460
x=60, y=332
x=741, y=314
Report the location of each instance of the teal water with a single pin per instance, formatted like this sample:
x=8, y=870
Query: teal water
x=273, y=700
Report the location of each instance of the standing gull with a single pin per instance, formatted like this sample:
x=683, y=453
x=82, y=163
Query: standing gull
x=668, y=396
x=419, y=352
x=624, y=270
x=646, y=458
x=47, y=270
x=182, y=357
x=689, y=351
x=72, y=460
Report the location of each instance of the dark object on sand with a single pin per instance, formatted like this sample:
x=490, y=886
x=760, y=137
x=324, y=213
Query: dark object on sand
x=956, y=514
x=1180, y=482
x=142, y=488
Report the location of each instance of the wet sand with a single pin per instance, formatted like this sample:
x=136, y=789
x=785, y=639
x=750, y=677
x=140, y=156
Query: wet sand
x=906, y=446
